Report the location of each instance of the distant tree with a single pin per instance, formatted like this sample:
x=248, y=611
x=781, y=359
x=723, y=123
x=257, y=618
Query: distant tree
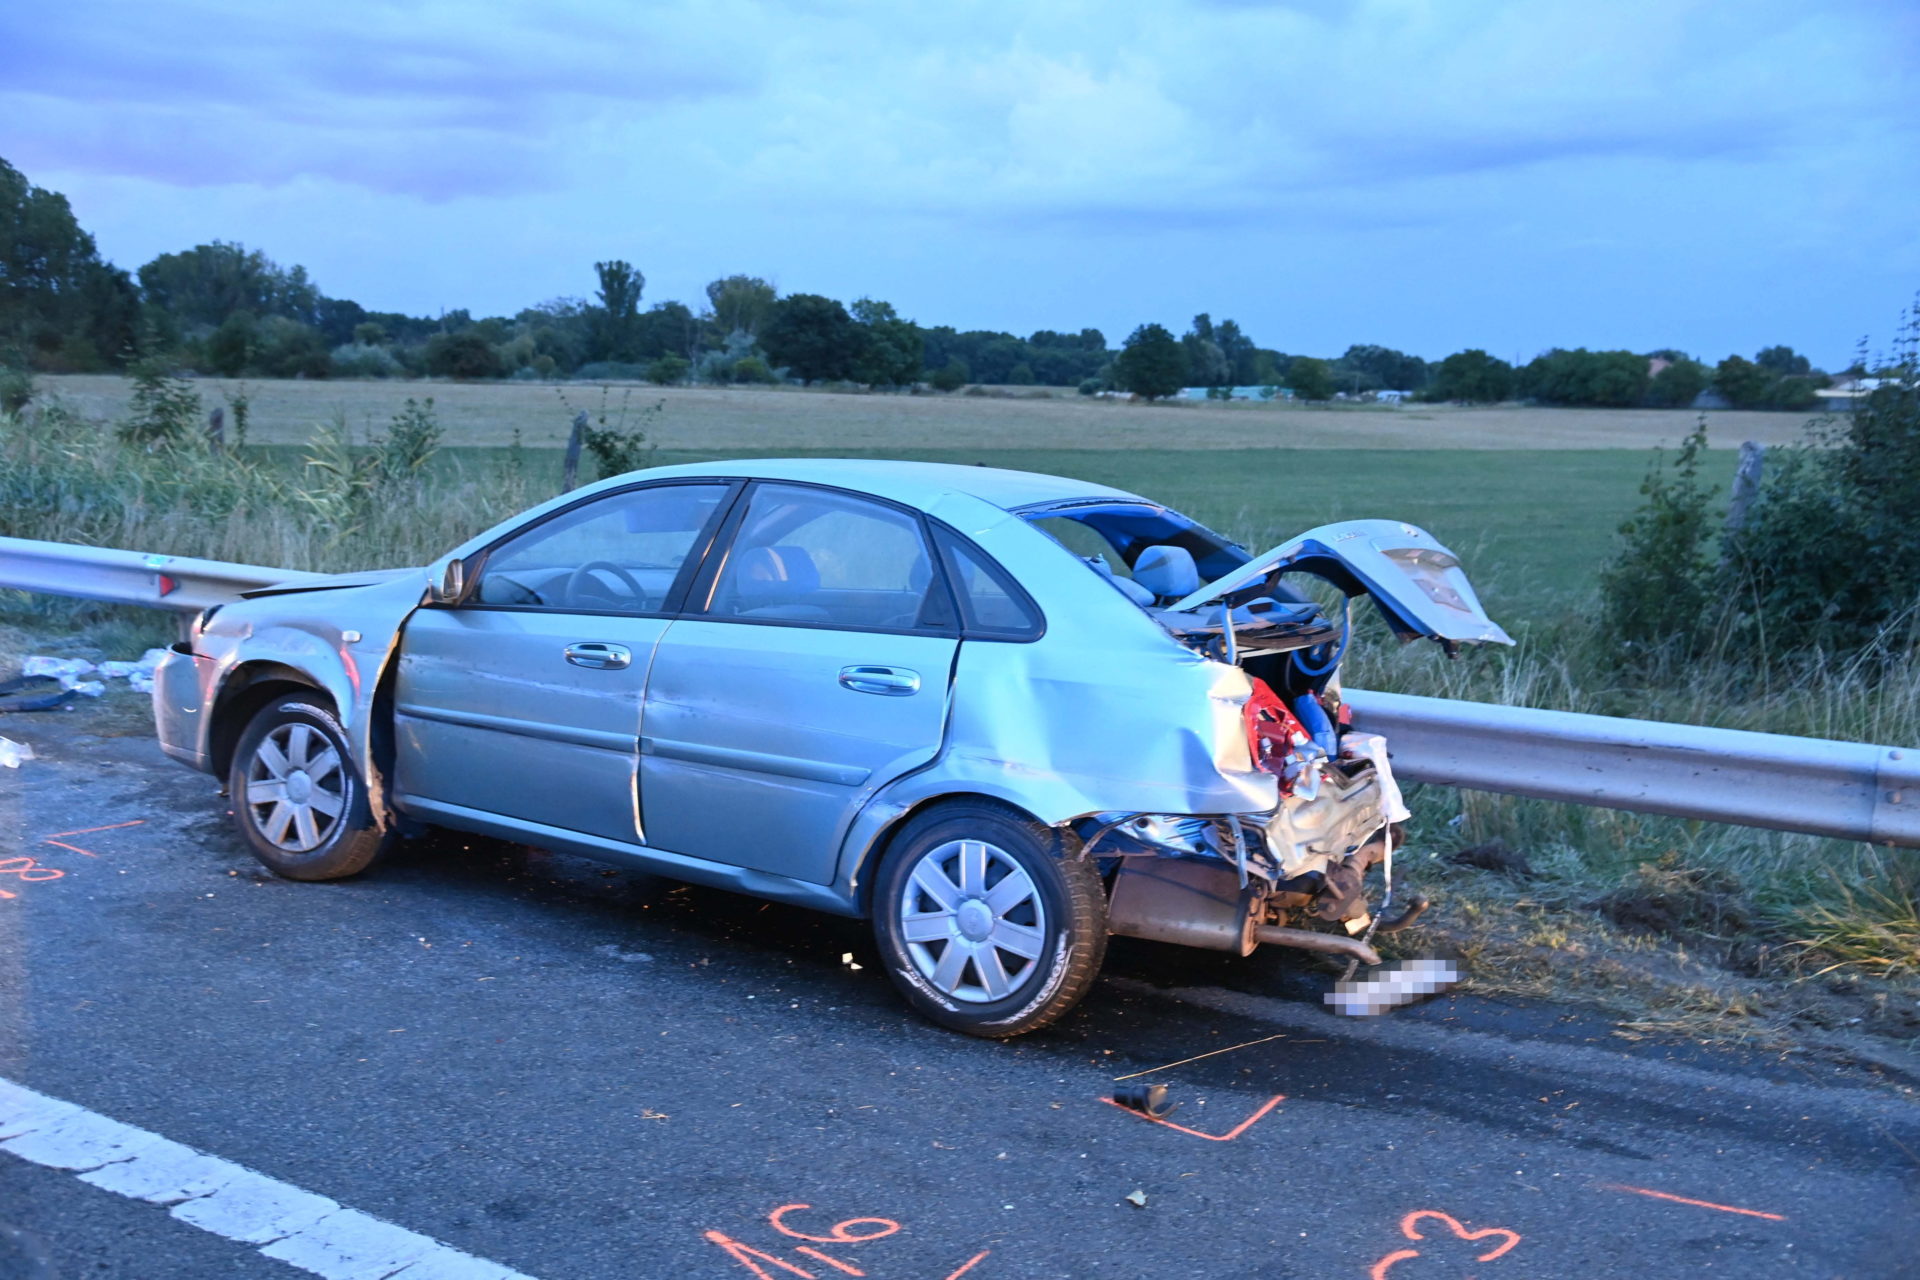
x=1151, y=364
x=950, y=376
x=1239, y=351
x=369, y=333
x=230, y=350
x=614, y=322
x=1207, y=364
x=1472, y=376
x=1384, y=367
x=61, y=305
x=1744, y=384
x=1310, y=378
x=202, y=286
x=1784, y=362
x=1583, y=377
x=666, y=328
x=466, y=355
x=813, y=336
x=741, y=303
x=1676, y=385
x=890, y=350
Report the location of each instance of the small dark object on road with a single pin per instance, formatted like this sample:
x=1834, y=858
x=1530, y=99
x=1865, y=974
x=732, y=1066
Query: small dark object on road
x=32, y=693
x=1494, y=855
x=1148, y=1099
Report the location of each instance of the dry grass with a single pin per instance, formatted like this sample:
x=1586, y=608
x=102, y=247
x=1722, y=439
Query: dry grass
x=751, y=421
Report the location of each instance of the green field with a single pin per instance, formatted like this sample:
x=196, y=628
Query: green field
x=1531, y=526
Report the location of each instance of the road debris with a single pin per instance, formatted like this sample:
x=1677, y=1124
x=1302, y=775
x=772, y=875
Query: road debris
x=1391, y=986
x=33, y=693
x=12, y=753
x=1137, y=1198
x=1148, y=1099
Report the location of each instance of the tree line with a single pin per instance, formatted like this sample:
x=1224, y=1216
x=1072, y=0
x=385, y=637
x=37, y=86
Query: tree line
x=222, y=308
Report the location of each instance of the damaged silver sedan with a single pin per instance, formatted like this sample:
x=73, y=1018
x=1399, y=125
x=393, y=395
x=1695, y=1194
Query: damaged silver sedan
x=1002, y=715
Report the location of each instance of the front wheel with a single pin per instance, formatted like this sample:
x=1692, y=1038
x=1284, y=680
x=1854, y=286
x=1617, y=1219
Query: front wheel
x=989, y=922
x=298, y=802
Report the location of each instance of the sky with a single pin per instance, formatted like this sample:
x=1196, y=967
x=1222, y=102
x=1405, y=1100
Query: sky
x=1425, y=174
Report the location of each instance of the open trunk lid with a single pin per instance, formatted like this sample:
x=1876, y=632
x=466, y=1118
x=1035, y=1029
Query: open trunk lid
x=1417, y=583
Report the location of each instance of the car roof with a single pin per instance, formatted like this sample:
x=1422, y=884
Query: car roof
x=917, y=484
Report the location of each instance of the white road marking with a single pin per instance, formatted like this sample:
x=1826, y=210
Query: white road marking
x=309, y=1231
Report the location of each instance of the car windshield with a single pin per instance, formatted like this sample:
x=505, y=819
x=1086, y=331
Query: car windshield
x=1115, y=533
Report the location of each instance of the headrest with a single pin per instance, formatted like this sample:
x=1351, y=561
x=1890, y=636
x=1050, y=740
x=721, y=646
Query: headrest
x=766, y=576
x=1126, y=586
x=1168, y=572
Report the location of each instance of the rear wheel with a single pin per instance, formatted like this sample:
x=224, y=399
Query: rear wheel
x=297, y=800
x=989, y=922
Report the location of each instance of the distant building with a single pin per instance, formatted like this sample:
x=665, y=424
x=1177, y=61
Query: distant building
x=1392, y=397
x=1236, y=393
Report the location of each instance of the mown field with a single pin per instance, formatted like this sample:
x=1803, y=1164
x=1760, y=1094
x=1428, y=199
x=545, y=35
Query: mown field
x=746, y=422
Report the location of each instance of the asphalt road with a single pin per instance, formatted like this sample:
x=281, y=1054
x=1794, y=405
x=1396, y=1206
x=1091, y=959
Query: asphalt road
x=577, y=1073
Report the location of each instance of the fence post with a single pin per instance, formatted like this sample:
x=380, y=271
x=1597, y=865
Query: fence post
x=1746, y=485
x=217, y=429
x=570, y=474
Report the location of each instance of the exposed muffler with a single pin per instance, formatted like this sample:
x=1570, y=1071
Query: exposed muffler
x=1197, y=904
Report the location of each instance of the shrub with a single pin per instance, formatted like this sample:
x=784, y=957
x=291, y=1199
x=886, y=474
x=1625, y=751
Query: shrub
x=465, y=356
x=165, y=407
x=668, y=370
x=616, y=371
x=1658, y=586
x=950, y=376
x=16, y=389
x=752, y=369
x=1091, y=386
x=359, y=360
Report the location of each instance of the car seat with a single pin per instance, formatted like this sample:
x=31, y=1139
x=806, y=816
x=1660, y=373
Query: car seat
x=775, y=582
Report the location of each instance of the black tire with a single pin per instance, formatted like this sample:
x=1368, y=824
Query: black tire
x=320, y=846
x=986, y=988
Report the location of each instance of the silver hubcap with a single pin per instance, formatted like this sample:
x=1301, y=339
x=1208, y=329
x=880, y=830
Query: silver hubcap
x=296, y=789
x=972, y=920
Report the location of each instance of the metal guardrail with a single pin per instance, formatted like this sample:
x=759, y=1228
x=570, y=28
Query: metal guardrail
x=182, y=584
x=1848, y=790
x=1845, y=789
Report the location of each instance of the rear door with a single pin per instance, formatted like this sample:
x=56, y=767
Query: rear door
x=811, y=668
x=524, y=702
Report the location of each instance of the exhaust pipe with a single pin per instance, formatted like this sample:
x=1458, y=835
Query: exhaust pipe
x=1308, y=940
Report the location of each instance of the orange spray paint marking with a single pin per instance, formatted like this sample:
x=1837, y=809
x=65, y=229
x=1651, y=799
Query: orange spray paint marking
x=1228, y=1136
x=1410, y=1228
x=29, y=870
x=87, y=831
x=73, y=847
x=750, y=1257
x=969, y=1264
x=840, y=1233
x=830, y=1260
x=1698, y=1204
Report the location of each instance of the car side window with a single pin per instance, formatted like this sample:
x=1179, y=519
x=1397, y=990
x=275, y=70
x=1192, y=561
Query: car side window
x=816, y=556
x=616, y=554
x=989, y=601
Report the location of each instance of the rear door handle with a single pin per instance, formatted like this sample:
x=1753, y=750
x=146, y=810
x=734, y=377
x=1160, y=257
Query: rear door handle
x=895, y=682
x=599, y=655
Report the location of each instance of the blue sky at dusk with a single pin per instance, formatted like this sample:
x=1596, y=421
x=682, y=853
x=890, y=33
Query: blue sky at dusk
x=1427, y=175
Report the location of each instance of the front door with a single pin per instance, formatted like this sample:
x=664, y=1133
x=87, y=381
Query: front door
x=524, y=702
x=814, y=670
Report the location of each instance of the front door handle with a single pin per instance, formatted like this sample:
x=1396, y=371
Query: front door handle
x=895, y=682
x=599, y=655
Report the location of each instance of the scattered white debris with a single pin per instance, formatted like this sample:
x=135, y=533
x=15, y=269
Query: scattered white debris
x=846, y=958
x=13, y=753
x=140, y=682
x=92, y=688
x=65, y=668
x=1391, y=986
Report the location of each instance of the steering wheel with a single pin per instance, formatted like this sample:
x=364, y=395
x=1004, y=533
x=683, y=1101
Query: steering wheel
x=584, y=589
